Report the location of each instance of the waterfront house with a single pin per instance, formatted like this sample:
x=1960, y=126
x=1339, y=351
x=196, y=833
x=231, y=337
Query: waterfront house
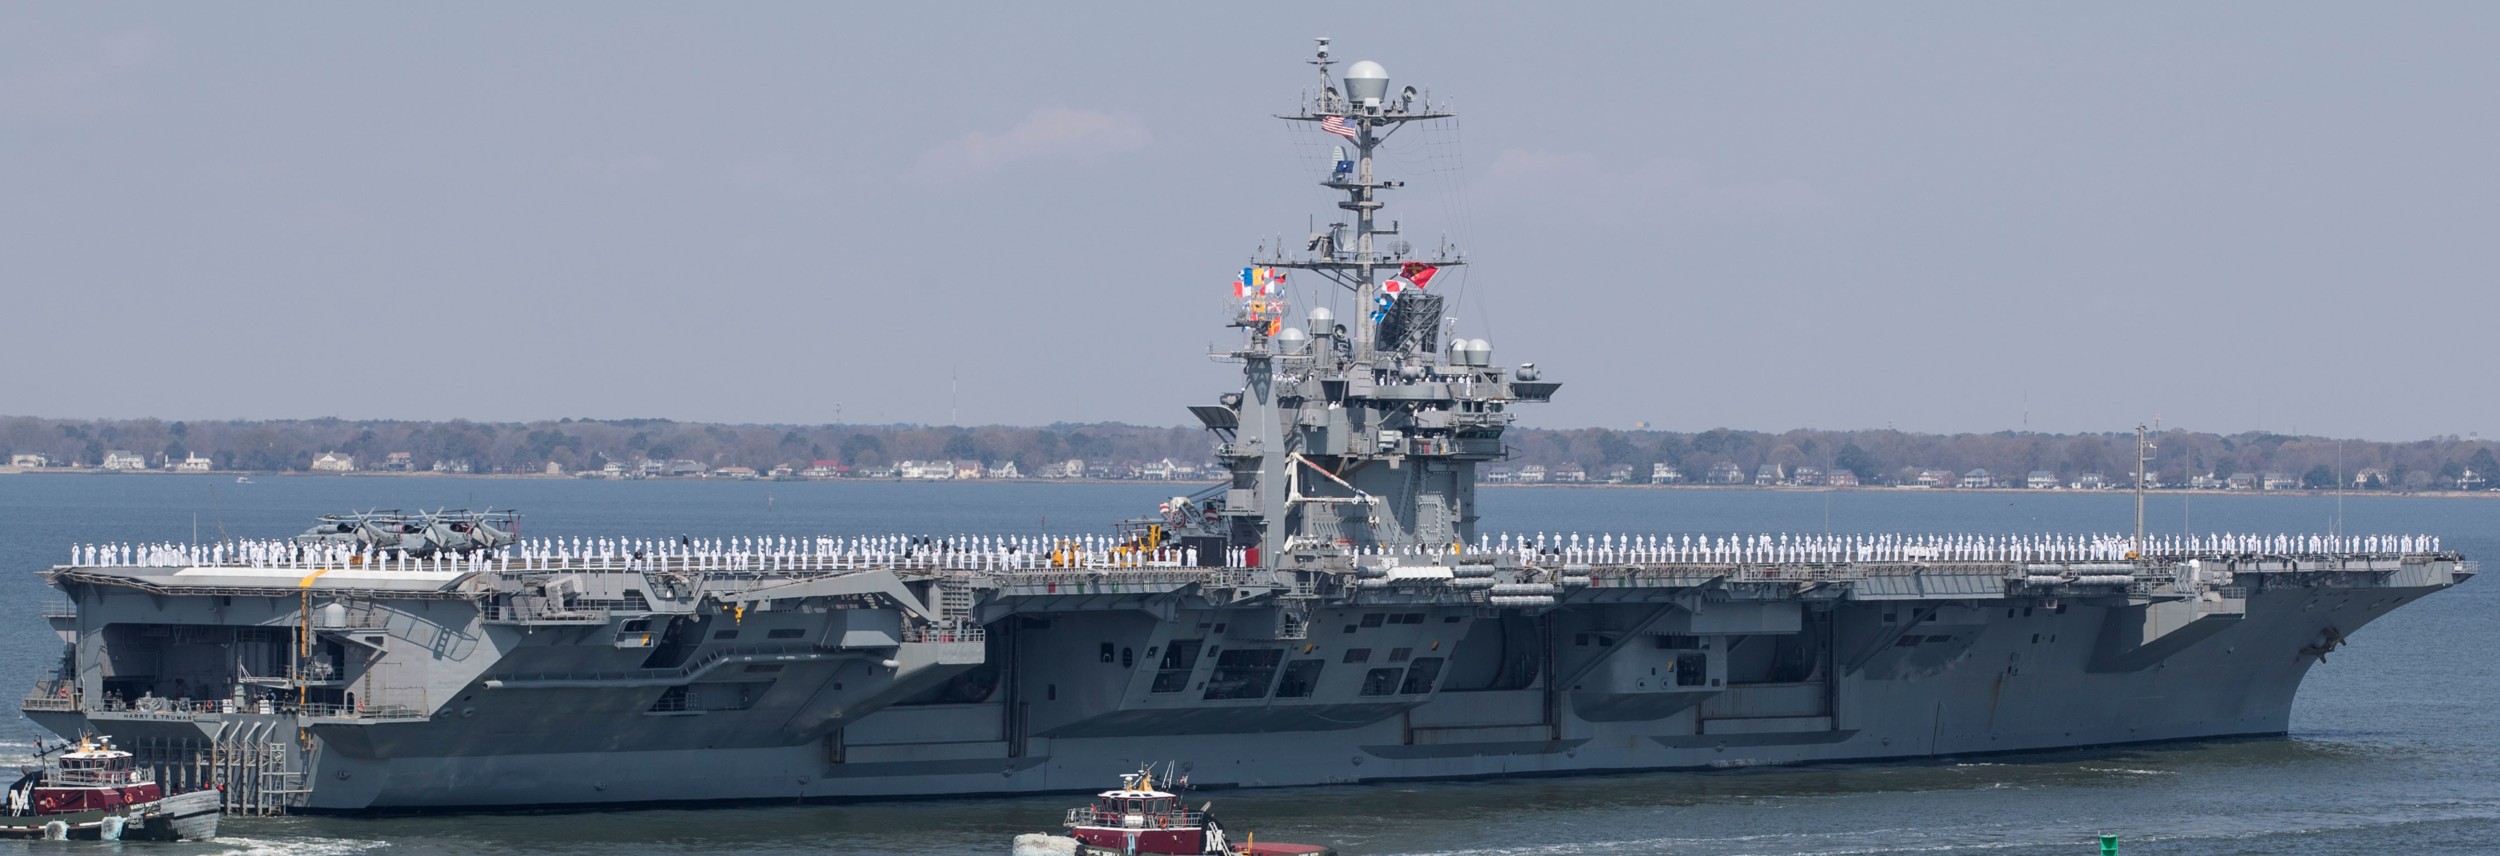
x=2040, y=480
x=124, y=459
x=194, y=463
x=925, y=470
x=334, y=462
x=29, y=460
x=1664, y=474
x=1978, y=478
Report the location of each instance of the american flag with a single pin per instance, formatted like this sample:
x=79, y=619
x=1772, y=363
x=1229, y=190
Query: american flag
x=1336, y=125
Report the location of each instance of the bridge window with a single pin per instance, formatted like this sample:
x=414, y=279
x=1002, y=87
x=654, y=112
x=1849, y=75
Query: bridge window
x=710, y=696
x=1179, y=662
x=786, y=633
x=1381, y=682
x=1243, y=673
x=724, y=635
x=1399, y=655
x=1301, y=678
x=1691, y=669
x=1358, y=655
x=1373, y=619
x=1419, y=677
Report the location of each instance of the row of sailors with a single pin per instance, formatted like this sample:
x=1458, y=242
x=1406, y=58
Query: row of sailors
x=985, y=552
x=256, y=553
x=712, y=554
x=1837, y=549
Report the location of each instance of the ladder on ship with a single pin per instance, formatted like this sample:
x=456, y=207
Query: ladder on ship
x=252, y=771
x=954, y=601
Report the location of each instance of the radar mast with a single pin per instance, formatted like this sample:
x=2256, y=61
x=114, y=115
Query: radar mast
x=1362, y=437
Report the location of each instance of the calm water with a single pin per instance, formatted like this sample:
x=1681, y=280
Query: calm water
x=2394, y=745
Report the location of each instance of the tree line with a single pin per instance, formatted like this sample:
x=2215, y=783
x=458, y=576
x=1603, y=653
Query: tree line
x=1875, y=457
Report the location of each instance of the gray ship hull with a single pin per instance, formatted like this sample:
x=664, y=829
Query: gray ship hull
x=2002, y=681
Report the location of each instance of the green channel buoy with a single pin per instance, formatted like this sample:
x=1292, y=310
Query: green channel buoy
x=2109, y=845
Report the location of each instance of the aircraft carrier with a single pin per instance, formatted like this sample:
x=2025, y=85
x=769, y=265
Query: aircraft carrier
x=1332, y=612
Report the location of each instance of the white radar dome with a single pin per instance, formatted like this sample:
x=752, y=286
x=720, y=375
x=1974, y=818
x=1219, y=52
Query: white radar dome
x=1366, y=83
x=1292, y=340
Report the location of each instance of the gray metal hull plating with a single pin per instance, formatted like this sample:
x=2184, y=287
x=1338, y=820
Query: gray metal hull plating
x=1998, y=690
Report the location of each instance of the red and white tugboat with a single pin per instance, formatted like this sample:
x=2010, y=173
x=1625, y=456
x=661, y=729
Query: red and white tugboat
x=96, y=791
x=1138, y=820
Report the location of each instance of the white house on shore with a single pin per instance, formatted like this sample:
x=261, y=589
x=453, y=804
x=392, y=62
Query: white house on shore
x=195, y=463
x=334, y=462
x=124, y=459
x=931, y=470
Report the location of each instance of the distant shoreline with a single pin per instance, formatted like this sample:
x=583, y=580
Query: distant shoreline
x=2165, y=491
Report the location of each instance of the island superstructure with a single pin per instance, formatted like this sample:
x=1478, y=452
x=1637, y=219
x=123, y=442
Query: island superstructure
x=1332, y=612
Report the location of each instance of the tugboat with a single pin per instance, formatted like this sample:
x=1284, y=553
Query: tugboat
x=96, y=791
x=1137, y=819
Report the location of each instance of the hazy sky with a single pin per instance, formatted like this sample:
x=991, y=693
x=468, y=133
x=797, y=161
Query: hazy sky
x=1946, y=217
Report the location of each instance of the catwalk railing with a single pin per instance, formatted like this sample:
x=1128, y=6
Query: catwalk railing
x=761, y=556
x=783, y=556
x=64, y=696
